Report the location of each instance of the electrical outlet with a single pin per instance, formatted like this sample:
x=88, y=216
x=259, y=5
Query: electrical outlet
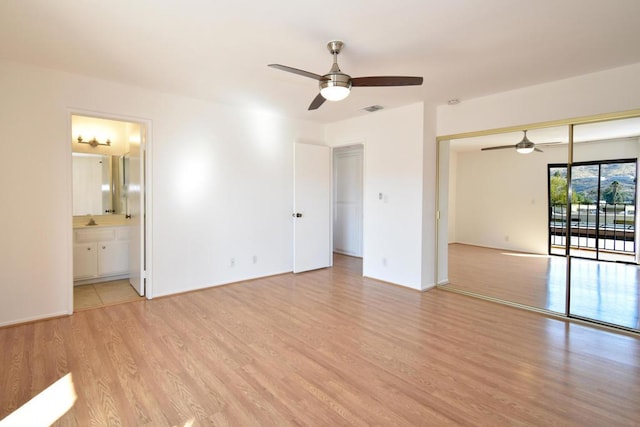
x=384, y=262
x=232, y=263
x=254, y=259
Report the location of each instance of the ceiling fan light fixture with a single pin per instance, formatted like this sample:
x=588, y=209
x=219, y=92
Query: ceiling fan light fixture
x=525, y=146
x=525, y=150
x=335, y=93
x=335, y=87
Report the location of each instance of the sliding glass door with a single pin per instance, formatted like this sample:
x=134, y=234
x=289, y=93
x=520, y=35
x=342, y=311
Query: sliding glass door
x=601, y=213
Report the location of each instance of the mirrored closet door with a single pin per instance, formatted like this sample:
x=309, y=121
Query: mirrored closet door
x=496, y=210
x=604, y=270
x=522, y=216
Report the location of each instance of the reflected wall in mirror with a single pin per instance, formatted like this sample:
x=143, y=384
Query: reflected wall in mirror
x=99, y=171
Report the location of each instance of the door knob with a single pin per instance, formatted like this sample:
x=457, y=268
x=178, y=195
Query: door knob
x=297, y=215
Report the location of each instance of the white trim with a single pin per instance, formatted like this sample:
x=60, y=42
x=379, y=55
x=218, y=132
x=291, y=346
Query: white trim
x=424, y=288
x=15, y=322
x=100, y=279
x=68, y=243
x=148, y=213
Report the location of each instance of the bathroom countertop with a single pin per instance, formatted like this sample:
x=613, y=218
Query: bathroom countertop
x=101, y=221
x=98, y=225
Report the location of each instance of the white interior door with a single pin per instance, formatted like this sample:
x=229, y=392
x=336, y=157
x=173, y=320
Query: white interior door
x=312, y=207
x=134, y=178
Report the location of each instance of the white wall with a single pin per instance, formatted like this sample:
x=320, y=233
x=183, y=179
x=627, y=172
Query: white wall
x=604, y=92
x=501, y=198
x=221, y=183
x=393, y=153
x=429, y=193
x=35, y=221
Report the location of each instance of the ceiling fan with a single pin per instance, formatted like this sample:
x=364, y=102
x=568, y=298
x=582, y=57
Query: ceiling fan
x=523, y=147
x=336, y=85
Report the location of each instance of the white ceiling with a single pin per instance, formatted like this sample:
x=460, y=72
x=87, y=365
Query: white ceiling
x=219, y=50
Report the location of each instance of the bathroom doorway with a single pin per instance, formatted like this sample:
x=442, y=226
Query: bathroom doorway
x=109, y=221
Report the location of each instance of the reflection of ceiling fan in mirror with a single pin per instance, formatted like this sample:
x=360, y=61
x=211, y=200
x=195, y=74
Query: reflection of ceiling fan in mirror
x=523, y=147
x=336, y=85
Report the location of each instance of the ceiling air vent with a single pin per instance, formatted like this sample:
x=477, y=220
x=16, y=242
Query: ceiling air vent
x=373, y=108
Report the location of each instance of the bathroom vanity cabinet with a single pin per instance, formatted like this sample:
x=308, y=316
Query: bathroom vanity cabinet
x=100, y=253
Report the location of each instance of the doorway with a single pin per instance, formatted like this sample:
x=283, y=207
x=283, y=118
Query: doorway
x=348, y=200
x=109, y=244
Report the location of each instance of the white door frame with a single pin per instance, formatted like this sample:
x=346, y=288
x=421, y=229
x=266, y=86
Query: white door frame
x=147, y=214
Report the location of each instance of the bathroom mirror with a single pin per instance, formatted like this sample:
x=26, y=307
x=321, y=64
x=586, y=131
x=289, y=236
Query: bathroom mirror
x=98, y=184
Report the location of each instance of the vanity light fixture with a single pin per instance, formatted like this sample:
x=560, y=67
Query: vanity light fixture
x=93, y=142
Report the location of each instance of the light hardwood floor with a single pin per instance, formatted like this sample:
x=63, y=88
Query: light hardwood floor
x=324, y=348
x=604, y=291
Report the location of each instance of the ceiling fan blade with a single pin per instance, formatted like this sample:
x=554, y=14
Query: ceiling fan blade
x=500, y=147
x=386, y=81
x=296, y=71
x=317, y=102
x=538, y=150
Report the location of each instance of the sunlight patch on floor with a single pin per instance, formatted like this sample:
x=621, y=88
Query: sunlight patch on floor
x=524, y=255
x=46, y=407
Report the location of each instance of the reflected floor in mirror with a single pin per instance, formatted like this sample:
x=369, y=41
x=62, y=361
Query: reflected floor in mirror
x=604, y=291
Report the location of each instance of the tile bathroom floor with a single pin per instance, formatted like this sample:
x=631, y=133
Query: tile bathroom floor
x=104, y=293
